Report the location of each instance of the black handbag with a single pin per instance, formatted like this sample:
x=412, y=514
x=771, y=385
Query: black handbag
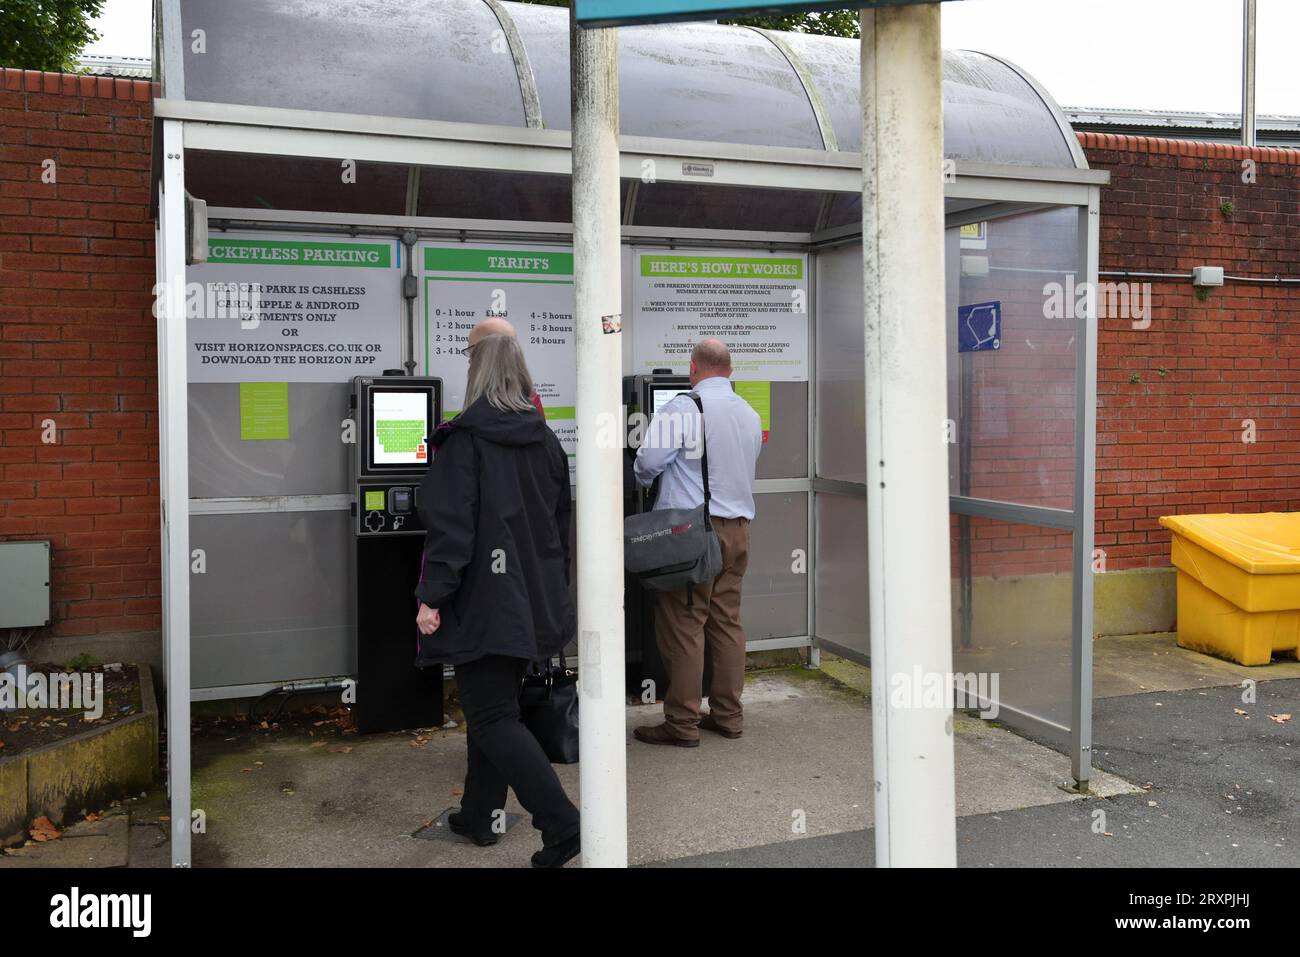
x=548, y=706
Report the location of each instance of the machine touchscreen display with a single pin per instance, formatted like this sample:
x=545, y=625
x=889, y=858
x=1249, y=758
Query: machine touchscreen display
x=400, y=426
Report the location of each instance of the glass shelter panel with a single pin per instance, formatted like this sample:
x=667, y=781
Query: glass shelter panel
x=1011, y=357
x=776, y=582
x=1012, y=600
x=840, y=600
x=841, y=386
x=250, y=181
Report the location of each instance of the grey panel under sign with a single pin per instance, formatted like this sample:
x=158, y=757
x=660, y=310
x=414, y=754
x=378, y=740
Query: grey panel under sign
x=312, y=461
x=24, y=584
x=274, y=600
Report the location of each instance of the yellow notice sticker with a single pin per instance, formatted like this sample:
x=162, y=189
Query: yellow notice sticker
x=263, y=411
x=759, y=396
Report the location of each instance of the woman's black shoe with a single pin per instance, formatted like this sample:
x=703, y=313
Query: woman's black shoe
x=456, y=821
x=557, y=855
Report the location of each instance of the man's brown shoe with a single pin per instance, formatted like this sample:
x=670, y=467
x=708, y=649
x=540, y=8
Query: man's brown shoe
x=659, y=734
x=708, y=724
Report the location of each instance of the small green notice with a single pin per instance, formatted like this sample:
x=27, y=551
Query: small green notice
x=759, y=396
x=263, y=411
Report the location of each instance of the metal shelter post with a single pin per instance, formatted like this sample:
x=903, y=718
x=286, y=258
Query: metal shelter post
x=1248, y=73
x=597, y=320
x=1085, y=498
x=174, y=470
x=907, y=457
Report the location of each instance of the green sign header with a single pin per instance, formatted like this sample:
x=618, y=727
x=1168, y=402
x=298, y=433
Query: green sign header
x=498, y=261
x=721, y=267
x=270, y=252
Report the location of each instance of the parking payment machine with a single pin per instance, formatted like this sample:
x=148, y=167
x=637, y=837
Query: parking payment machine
x=643, y=397
x=394, y=416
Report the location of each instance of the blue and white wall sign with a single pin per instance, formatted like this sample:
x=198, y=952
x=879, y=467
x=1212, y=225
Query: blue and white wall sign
x=979, y=327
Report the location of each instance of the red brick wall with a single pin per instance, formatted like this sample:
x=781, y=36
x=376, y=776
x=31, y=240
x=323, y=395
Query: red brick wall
x=77, y=344
x=1171, y=442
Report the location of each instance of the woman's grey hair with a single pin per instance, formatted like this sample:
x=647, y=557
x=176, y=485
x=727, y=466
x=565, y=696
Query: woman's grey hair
x=498, y=373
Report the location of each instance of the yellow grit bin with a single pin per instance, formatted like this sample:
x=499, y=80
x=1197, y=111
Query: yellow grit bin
x=1238, y=584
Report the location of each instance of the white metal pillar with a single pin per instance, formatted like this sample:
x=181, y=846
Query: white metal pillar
x=907, y=451
x=174, y=474
x=1248, y=73
x=597, y=289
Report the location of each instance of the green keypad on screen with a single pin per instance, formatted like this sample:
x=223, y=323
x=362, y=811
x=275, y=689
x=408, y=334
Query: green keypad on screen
x=399, y=435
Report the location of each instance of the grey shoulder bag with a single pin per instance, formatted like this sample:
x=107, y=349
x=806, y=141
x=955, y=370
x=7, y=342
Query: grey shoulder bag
x=674, y=548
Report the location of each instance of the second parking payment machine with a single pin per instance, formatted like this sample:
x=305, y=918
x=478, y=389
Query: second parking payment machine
x=394, y=417
x=644, y=396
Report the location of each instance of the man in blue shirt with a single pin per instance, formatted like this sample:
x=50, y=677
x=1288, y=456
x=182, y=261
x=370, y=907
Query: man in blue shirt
x=711, y=620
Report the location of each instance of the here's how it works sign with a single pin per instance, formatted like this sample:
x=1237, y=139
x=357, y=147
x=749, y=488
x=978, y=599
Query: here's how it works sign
x=754, y=302
x=294, y=308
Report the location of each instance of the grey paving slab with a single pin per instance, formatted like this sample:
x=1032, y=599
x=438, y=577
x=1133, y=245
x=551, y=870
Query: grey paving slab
x=1134, y=664
x=1220, y=792
x=802, y=770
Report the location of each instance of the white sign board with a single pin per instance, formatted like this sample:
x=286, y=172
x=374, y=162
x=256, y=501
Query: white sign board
x=532, y=288
x=757, y=303
x=293, y=308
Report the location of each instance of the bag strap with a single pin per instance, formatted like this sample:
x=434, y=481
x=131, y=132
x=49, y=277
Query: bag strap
x=704, y=459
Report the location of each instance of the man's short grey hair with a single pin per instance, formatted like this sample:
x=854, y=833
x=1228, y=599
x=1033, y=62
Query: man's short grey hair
x=498, y=373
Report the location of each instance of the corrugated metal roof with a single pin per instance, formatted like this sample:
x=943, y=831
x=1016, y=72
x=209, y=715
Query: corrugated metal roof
x=1271, y=129
x=137, y=67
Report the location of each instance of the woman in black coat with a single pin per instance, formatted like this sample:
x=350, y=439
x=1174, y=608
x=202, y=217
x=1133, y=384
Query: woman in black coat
x=494, y=591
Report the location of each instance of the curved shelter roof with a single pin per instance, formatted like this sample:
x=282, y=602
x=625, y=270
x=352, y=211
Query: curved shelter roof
x=506, y=64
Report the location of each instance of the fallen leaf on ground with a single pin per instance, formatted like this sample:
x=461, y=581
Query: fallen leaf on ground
x=1279, y=718
x=345, y=749
x=457, y=791
x=319, y=744
x=92, y=817
x=1239, y=711
x=43, y=829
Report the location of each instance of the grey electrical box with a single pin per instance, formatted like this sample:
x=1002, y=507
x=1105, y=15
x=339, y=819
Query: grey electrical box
x=1207, y=275
x=24, y=584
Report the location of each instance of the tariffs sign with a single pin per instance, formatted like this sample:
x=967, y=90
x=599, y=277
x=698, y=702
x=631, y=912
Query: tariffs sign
x=609, y=13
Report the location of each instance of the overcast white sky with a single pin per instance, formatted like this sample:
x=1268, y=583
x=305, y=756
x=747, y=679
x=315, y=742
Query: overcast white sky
x=1153, y=54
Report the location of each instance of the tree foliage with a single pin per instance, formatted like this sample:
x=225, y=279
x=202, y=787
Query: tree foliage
x=835, y=23
x=46, y=34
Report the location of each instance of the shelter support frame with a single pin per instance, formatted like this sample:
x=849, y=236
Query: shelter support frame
x=978, y=192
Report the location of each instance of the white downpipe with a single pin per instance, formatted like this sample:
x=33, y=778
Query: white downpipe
x=907, y=453
x=597, y=287
x=175, y=485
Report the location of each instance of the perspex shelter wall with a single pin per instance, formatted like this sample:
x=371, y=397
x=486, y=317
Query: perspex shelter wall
x=455, y=114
